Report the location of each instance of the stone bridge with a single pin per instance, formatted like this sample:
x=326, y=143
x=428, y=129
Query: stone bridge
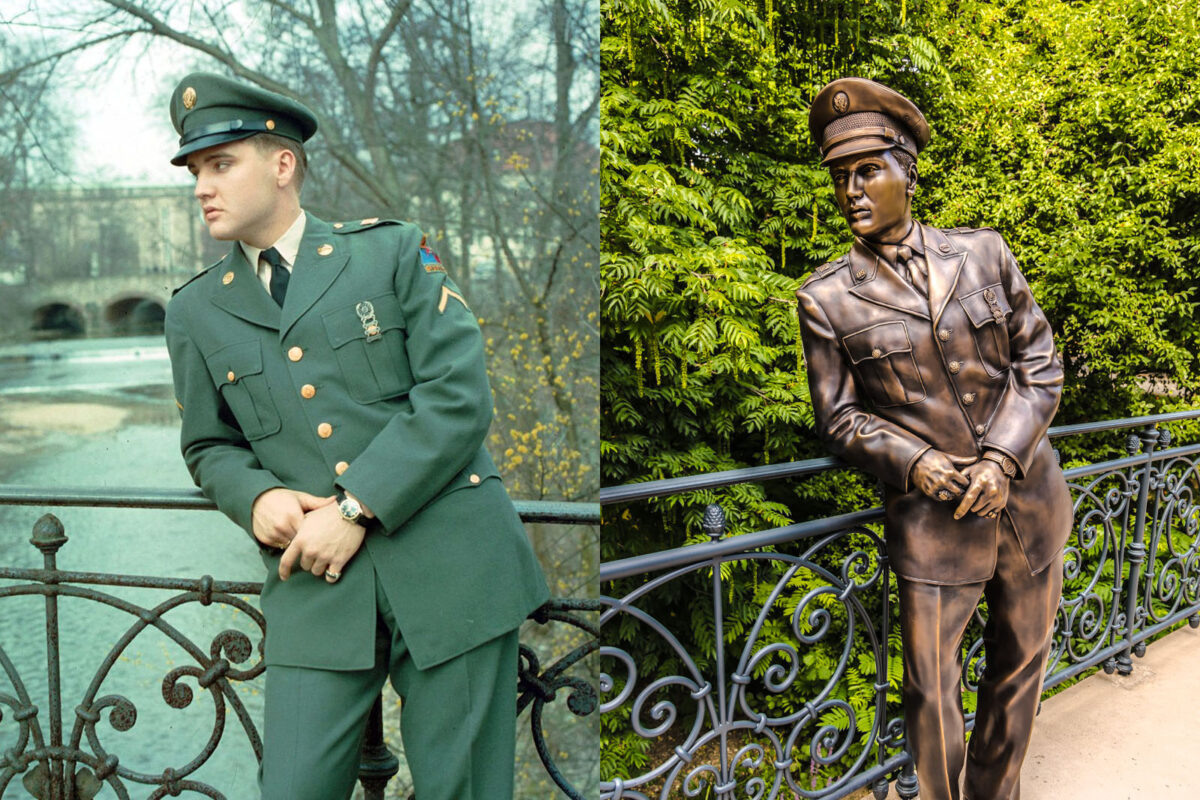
x=106, y=306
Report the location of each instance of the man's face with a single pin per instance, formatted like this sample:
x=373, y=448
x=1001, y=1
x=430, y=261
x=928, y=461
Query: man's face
x=872, y=192
x=238, y=189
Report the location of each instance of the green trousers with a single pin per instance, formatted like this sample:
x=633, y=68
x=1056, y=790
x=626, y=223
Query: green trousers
x=457, y=722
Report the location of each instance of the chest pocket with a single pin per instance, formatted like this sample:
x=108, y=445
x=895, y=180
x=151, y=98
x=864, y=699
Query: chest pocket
x=368, y=339
x=988, y=310
x=883, y=356
x=237, y=372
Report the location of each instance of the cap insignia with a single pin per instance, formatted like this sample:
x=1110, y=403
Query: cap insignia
x=189, y=98
x=841, y=102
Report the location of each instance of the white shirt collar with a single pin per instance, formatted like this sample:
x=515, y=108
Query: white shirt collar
x=288, y=245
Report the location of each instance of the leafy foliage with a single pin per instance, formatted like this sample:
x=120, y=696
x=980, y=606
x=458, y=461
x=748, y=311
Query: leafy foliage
x=1070, y=127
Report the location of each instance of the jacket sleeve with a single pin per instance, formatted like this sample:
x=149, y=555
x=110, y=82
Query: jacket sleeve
x=1035, y=375
x=216, y=452
x=426, y=444
x=865, y=440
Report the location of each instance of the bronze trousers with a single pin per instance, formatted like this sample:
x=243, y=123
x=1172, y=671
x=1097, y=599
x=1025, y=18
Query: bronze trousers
x=1017, y=638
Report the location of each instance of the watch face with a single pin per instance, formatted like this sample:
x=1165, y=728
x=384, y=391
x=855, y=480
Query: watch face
x=350, y=510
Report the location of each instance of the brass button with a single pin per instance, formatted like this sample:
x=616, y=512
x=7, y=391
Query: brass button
x=968, y=398
x=324, y=430
x=954, y=367
x=980, y=430
x=295, y=353
x=324, y=249
x=862, y=273
x=227, y=278
x=307, y=391
x=270, y=124
x=370, y=220
x=944, y=334
x=339, y=224
x=341, y=467
x=945, y=248
x=474, y=478
x=230, y=376
x=876, y=353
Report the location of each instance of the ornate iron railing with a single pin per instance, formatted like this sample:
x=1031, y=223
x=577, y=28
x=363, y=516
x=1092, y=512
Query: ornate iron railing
x=60, y=753
x=796, y=694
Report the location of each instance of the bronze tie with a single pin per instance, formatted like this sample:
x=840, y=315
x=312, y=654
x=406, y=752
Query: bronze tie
x=279, y=274
x=912, y=269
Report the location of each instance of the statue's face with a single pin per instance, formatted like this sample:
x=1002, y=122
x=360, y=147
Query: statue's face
x=874, y=193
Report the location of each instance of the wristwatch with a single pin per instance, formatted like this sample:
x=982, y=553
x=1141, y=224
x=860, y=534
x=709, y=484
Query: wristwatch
x=350, y=509
x=1007, y=465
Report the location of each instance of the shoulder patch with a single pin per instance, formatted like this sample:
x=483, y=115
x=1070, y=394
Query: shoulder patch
x=354, y=226
x=429, y=259
x=195, y=277
x=964, y=229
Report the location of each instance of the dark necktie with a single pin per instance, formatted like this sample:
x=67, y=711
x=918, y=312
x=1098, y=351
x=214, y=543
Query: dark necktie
x=909, y=265
x=279, y=274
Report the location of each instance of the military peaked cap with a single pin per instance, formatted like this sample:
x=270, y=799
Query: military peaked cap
x=854, y=115
x=208, y=109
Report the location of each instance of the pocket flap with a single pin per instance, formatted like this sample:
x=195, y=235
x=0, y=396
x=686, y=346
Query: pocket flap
x=354, y=321
x=878, y=341
x=234, y=362
x=986, y=305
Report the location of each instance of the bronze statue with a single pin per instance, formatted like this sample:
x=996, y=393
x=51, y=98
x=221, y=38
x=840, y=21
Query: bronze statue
x=931, y=366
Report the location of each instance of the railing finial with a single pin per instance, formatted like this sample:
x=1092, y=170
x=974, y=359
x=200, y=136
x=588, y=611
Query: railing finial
x=714, y=521
x=48, y=534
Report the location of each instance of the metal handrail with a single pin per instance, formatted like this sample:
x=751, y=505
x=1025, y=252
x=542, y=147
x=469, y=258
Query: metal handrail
x=795, y=469
x=192, y=500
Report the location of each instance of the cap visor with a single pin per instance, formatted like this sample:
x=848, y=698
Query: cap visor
x=853, y=147
x=204, y=142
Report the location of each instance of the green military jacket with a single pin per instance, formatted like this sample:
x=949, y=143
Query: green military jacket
x=370, y=378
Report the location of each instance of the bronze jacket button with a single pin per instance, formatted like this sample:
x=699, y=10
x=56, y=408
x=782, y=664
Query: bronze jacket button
x=295, y=354
x=980, y=430
x=308, y=391
x=954, y=367
x=944, y=334
x=968, y=398
x=474, y=478
x=324, y=430
x=341, y=467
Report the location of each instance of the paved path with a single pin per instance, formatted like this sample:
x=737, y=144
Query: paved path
x=1113, y=737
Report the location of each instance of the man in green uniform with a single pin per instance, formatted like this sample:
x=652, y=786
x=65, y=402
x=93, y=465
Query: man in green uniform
x=331, y=382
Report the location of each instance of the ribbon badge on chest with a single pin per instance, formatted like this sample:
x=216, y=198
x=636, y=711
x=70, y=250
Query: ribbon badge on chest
x=366, y=315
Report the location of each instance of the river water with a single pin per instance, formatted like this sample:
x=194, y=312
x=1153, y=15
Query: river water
x=100, y=413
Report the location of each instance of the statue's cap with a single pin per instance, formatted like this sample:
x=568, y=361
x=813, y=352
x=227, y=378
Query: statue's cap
x=208, y=109
x=855, y=115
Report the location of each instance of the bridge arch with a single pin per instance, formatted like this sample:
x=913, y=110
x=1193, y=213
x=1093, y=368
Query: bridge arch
x=134, y=315
x=58, y=320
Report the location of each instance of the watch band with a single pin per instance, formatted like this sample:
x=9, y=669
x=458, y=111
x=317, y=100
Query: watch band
x=1007, y=465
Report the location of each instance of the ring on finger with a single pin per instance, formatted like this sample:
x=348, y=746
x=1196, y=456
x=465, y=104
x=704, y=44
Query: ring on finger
x=943, y=494
x=332, y=577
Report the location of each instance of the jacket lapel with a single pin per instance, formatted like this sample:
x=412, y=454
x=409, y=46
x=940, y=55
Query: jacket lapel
x=321, y=258
x=945, y=264
x=881, y=285
x=240, y=293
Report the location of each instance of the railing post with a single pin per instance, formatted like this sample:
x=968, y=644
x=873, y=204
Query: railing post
x=714, y=526
x=1136, y=553
x=49, y=536
x=378, y=764
x=906, y=784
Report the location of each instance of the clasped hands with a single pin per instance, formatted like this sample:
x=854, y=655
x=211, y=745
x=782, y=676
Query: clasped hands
x=308, y=529
x=983, y=485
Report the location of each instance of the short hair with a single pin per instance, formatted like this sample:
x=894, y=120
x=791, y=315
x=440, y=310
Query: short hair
x=267, y=143
x=905, y=159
